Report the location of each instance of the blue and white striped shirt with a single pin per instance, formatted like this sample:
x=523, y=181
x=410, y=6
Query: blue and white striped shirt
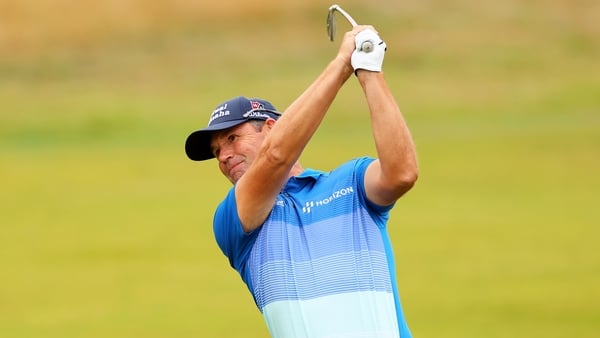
x=322, y=264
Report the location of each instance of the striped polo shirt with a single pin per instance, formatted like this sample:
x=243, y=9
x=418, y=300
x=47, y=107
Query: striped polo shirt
x=322, y=264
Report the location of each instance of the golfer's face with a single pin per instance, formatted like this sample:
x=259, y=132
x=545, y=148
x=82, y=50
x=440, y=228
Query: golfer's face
x=236, y=148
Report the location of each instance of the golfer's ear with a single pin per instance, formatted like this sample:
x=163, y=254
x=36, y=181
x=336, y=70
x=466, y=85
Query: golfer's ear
x=270, y=122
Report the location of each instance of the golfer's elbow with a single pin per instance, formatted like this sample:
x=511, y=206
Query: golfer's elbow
x=403, y=180
x=407, y=179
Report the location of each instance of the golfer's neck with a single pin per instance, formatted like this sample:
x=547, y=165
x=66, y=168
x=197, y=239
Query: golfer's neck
x=296, y=170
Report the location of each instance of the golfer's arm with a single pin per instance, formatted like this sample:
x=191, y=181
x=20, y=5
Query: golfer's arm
x=258, y=188
x=396, y=170
x=293, y=130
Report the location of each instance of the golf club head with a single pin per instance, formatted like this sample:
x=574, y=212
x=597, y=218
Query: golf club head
x=366, y=47
x=331, y=23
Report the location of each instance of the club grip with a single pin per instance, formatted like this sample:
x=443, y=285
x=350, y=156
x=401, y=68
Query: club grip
x=367, y=47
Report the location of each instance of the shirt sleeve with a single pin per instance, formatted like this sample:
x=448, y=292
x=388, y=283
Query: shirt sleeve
x=379, y=213
x=229, y=234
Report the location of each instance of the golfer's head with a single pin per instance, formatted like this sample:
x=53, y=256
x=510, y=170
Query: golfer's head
x=227, y=115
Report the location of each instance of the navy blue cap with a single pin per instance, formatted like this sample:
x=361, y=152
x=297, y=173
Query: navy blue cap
x=228, y=114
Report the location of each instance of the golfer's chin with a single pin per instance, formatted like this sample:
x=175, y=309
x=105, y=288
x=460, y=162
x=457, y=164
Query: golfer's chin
x=234, y=176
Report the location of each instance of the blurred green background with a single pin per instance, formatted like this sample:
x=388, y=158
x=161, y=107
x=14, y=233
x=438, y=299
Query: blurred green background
x=105, y=226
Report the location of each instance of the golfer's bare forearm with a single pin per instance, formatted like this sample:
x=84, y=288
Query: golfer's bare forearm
x=302, y=118
x=393, y=140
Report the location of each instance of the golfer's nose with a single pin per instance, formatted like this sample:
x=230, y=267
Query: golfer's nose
x=225, y=153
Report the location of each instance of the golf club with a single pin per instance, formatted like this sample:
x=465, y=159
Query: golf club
x=366, y=47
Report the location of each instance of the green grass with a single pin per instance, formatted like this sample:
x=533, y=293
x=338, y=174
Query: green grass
x=105, y=226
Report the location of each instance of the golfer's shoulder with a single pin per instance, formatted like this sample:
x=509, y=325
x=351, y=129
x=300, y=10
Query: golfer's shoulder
x=227, y=203
x=358, y=164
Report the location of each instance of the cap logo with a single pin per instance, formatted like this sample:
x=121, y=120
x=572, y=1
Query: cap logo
x=256, y=105
x=255, y=114
x=219, y=112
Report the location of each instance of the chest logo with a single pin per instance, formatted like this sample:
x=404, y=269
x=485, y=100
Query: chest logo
x=310, y=205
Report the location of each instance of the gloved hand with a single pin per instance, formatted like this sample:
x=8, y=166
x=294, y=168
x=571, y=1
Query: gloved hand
x=372, y=60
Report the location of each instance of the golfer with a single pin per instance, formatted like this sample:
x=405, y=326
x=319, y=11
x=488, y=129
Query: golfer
x=312, y=246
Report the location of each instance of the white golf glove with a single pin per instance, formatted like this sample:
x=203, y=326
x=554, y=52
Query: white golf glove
x=372, y=60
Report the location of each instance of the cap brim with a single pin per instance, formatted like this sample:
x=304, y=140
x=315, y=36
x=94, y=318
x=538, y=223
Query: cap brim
x=197, y=145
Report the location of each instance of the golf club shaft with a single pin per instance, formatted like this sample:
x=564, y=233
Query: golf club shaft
x=346, y=15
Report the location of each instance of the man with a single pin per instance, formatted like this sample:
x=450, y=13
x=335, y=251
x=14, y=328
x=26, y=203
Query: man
x=312, y=246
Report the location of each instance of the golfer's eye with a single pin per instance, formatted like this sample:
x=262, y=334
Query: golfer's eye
x=231, y=138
